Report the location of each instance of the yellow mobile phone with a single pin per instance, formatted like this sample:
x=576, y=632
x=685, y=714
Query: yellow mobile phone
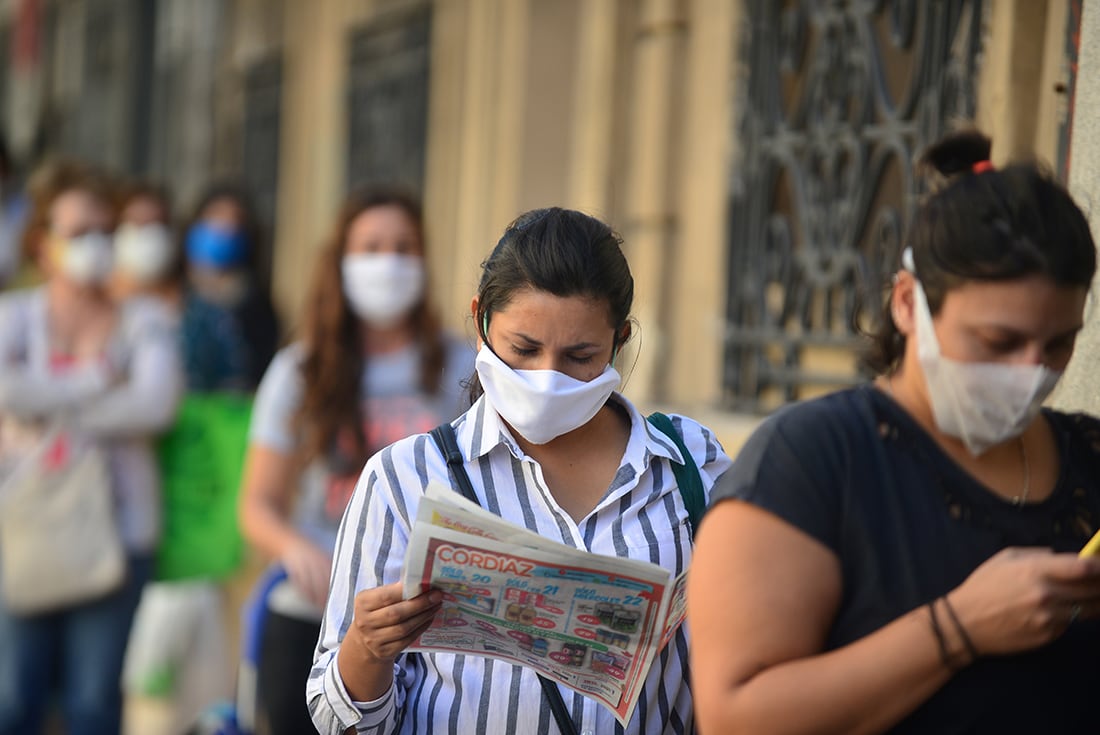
x=1092, y=548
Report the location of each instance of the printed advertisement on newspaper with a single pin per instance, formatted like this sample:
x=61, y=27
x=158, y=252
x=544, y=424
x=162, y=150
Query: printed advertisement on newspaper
x=593, y=623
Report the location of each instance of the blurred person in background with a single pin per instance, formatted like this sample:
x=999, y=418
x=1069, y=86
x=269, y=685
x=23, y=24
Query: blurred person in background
x=176, y=664
x=41, y=186
x=13, y=214
x=147, y=257
x=230, y=329
x=372, y=367
x=105, y=374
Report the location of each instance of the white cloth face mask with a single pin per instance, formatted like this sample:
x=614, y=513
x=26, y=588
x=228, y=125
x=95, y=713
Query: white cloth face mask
x=981, y=403
x=87, y=259
x=382, y=288
x=144, y=252
x=542, y=404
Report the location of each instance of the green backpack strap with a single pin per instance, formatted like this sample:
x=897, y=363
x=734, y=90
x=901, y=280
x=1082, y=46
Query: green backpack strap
x=687, y=474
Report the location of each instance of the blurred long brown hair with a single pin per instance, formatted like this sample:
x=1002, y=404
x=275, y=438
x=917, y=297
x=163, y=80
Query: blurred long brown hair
x=331, y=416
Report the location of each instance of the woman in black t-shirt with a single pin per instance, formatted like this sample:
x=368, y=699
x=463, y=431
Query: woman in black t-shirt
x=902, y=556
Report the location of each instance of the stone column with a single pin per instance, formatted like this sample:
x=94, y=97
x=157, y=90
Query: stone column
x=1052, y=108
x=590, y=169
x=707, y=146
x=1012, y=71
x=1080, y=389
x=313, y=140
x=650, y=217
x=479, y=55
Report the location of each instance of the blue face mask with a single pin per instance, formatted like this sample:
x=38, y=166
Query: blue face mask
x=215, y=247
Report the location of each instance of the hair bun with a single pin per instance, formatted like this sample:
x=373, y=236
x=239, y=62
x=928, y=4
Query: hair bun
x=955, y=153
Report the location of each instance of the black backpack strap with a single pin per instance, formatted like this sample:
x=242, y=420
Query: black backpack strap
x=557, y=706
x=687, y=474
x=444, y=438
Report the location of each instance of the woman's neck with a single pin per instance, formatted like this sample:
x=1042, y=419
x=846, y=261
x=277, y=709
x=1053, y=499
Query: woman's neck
x=382, y=340
x=168, y=292
x=79, y=320
x=71, y=300
x=580, y=466
x=224, y=287
x=907, y=387
x=1001, y=466
x=610, y=422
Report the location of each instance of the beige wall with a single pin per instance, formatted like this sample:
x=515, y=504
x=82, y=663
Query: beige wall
x=1011, y=74
x=1080, y=389
x=474, y=164
x=622, y=108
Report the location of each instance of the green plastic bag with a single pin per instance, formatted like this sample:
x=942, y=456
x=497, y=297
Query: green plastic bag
x=201, y=461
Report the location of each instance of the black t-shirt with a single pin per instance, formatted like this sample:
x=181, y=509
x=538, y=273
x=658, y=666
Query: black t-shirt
x=856, y=472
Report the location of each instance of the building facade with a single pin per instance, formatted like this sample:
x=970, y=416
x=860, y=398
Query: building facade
x=756, y=155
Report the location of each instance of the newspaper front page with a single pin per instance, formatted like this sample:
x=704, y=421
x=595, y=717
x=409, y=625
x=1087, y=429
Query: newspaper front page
x=593, y=623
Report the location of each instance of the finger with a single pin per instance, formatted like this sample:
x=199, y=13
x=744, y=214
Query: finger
x=389, y=598
x=1024, y=552
x=395, y=648
x=1071, y=568
x=399, y=614
x=406, y=630
x=381, y=597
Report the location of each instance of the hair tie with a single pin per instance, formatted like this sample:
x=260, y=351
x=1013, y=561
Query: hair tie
x=982, y=166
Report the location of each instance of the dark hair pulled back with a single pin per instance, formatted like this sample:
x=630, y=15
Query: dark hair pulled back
x=562, y=252
x=985, y=224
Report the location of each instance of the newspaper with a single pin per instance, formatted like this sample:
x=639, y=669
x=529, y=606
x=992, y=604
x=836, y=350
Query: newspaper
x=593, y=623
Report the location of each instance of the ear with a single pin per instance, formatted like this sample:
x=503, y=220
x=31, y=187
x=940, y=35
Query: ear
x=624, y=335
x=902, y=303
x=477, y=325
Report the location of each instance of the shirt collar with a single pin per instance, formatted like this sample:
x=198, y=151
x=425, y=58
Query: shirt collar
x=483, y=430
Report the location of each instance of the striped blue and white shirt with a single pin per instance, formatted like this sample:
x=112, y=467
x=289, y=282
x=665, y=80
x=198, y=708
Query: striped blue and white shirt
x=642, y=516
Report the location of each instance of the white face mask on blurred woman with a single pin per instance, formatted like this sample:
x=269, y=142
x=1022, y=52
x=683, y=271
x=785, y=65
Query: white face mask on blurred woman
x=981, y=403
x=382, y=288
x=144, y=252
x=85, y=259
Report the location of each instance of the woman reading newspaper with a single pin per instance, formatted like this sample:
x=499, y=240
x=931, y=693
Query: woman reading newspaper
x=548, y=444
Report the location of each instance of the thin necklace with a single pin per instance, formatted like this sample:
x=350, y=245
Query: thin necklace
x=1022, y=497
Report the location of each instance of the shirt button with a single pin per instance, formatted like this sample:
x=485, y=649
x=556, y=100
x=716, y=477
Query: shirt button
x=589, y=732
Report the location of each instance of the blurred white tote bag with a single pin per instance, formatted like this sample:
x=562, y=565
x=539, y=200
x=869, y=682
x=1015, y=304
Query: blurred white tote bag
x=59, y=545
